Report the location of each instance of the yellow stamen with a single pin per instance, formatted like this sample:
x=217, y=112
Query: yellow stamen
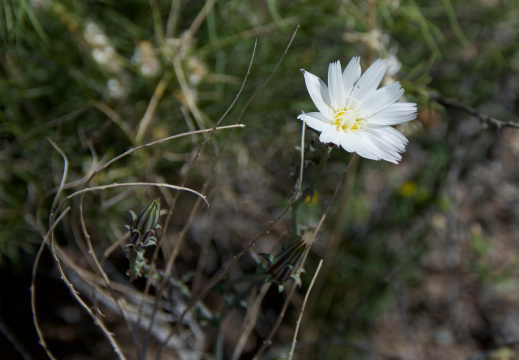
x=349, y=119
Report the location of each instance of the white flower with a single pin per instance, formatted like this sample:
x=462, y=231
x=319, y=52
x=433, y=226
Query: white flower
x=355, y=115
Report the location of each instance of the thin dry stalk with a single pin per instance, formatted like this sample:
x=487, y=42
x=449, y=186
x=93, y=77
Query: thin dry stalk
x=250, y=320
x=101, y=271
x=220, y=276
x=43, y=343
x=53, y=223
x=64, y=175
x=298, y=323
x=170, y=212
x=111, y=186
x=156, y=142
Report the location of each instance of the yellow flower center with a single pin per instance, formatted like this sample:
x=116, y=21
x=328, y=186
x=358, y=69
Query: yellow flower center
x=349, y=119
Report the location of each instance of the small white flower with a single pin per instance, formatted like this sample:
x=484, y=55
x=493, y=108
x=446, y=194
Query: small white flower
x=355, y=115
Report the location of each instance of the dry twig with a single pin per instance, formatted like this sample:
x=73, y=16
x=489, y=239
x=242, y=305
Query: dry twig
x=484, y=118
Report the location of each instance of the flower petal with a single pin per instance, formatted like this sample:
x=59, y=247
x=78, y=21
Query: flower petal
x=397, y=113
x=382, y=98
x=380, y=149
x=369, y=81
x=330, y=135
x=336, y=85
x=315, y=120
x=391, y=136
x=318, y=92
x=351, y=74
x=350, y=143
x=356, y=142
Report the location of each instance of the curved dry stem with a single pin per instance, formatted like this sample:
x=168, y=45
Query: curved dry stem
x=109, y=336
x=91, y=250
x=35, y=266
x=59, y=189
x=88, y=238
x=52, y=224
x=63, y=177
x=160, y=141
x=110, y=186
x=97, y=265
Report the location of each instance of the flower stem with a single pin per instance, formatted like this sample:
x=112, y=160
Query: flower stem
x=308, y=191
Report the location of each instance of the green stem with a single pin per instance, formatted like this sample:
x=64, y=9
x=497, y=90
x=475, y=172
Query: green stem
x=309, y=189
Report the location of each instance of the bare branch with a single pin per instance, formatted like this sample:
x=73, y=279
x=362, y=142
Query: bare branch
x=488, y=120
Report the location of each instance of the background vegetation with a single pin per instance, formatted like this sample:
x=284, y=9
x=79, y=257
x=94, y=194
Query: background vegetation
x=420, y=259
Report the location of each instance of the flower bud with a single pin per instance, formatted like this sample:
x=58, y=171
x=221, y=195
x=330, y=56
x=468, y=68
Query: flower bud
x=283, y=266
x=142, y=233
